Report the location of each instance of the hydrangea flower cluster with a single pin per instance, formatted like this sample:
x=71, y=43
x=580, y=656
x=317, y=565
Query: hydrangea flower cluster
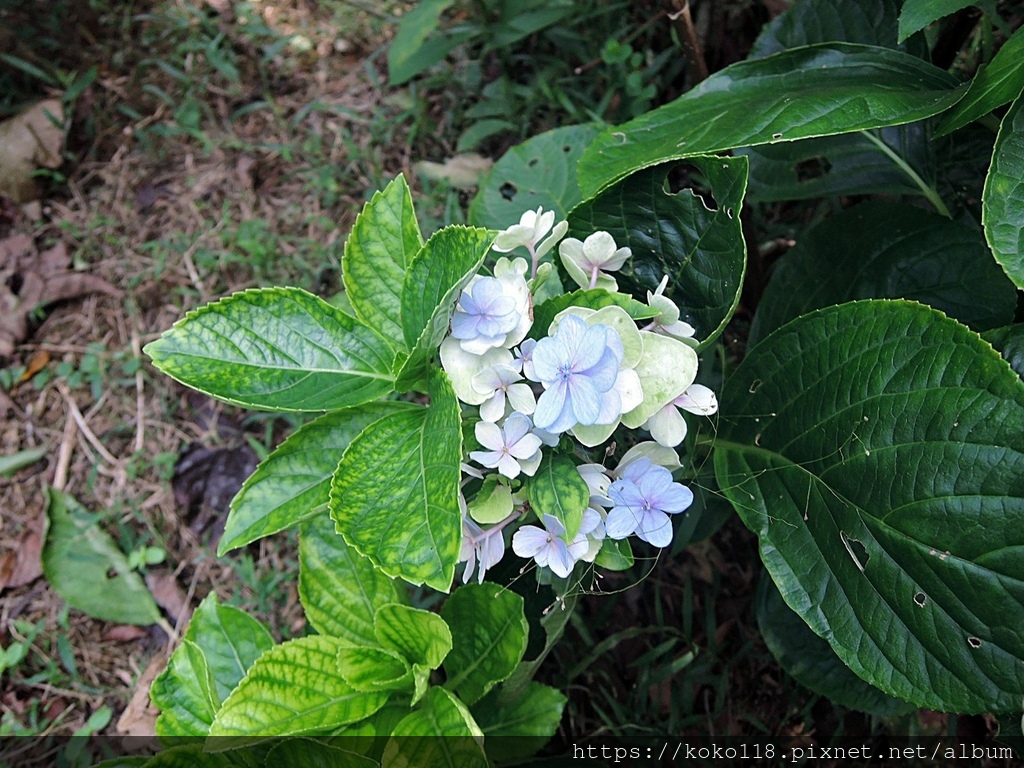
x=589, y=371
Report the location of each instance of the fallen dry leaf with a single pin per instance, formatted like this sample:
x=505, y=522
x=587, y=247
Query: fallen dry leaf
x=39, y=360
x=31, y=139
x=22, y=566
x=168, y=595
x=124, y=633
x=139, y=717
x=461, y=171
x=30, y=279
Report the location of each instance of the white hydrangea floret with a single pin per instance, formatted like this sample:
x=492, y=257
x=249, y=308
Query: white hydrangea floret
x=589, y=262
x=667, y=321
x=532, y=227
x=668, y=427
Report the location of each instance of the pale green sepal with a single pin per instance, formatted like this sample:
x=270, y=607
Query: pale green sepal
x=666, y=369
x=340, y=589
x=594, y=435
x=660, y=455
x=615, y=555
x=493, y=503
x=395, y=494
x=384, y=240
x=293, y=688
x=420, y=636
x=279, y=349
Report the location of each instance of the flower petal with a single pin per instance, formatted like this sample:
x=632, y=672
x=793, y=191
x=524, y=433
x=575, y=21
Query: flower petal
x=529, y=540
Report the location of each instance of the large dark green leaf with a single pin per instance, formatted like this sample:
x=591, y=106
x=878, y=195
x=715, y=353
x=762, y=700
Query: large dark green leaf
x=384, y=240
x=539, y=173
x=440, y=714
x=877, y=450
x=884, y=250
x=994, y=85
x=395, y=494
x=918, y=14
x=519, y=723
x=340, y=590
x=281, y=349
x=811, y=661
x=816, y=90
x=1003, y=199
x=294, y=482
x=1009, y=340
x=693, y=235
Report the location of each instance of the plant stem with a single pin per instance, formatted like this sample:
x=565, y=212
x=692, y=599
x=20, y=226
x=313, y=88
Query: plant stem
x=929, y=192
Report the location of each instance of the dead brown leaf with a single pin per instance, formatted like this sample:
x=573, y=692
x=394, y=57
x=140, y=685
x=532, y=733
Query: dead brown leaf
x=168, y=595
x=124, y=633
x=22, y=566
x=31, y=139
x=206, y=479
x=30, y=278
x=39, y=360
x=139, y=717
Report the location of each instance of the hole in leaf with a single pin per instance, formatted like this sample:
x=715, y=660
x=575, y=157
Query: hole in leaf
x=920, y=598
x=812, y=168
x=858, y=552
x=567, y=149
x=754, y=385
x=974, y=642
x=532, y=163
x=686, y=176
x=15, y=282
x=508, y=190
x=111, y=573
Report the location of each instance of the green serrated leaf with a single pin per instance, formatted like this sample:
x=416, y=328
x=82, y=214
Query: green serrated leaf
x=914, y=578
x=384, y=240
x=918, y=14
x=440, y=714
x=374, y=669
x=340, y=589
x=558, y=490
x=520, y=723
x=186, y=693
x=293, y=688
x=1003, y=198
x=231, y=640
x=306, y=753
x=394, y=496
x=886, y=250
x=85, y=567
x=694, y=235
x=815, y=90
x=279, y=349
x=539, y=173
x=595, y=298
x=421, y=637
x=998, y=83
x=491, y=650
x=1009, y=341
x=811, y=661
x=444, y=266
x=293, y=483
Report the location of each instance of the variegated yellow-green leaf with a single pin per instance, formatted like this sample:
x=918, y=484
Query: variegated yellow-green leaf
x=384, y=240
x=1003, y=198
x=440, y=714
x=294, y=688
x=394, y=496
x=280, y=349
x=489, y=641
x=340, y=590
x=186, y=693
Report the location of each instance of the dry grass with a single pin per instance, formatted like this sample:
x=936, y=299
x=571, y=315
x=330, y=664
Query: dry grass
x=155, y=211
